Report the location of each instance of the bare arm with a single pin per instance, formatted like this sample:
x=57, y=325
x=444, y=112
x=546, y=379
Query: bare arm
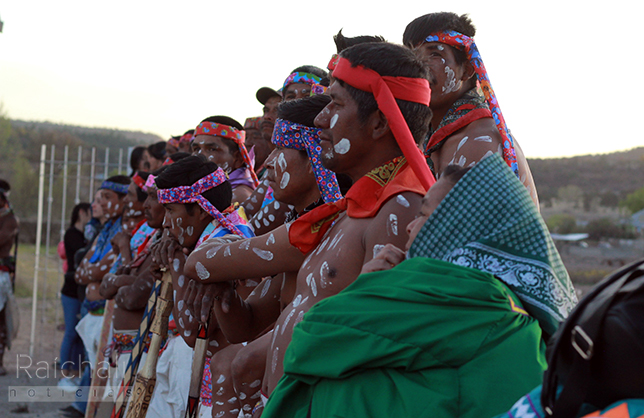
x=262, y=256
x=269, y=217
x=134, y=296
x=8, y=231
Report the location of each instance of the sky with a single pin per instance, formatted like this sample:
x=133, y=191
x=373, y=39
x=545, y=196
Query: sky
x=565, y=73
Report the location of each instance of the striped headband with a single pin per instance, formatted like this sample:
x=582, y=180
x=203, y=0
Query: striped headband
x=463, y=42
x=115, y=187
x=193, y=194
x=292, y=135
x=386, y=90
x=232, y=133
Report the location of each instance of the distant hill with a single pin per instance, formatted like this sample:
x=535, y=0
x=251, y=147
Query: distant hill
x=607, y=176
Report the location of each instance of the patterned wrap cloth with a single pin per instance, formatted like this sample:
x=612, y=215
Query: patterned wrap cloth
x=253, y=123
x=115, y=187
x=192, y=194
x=301, y=77
x=463, y=42
x=292, y=135
x=187, y=137
x=232, y=133
x=139, y=178
x=104, y=241
x=174, y=141
x=149, y=182
x=489, y=222
x=386, y=90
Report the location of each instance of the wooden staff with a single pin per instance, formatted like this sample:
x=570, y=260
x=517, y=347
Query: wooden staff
x=146, y=378
x=98, y=383
x=130, y=371
x=196, y=377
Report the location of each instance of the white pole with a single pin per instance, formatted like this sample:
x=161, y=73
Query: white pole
x=63, y=212
x=121, y=161
x=91, y=175
x=107, y=163
x=34, y=296
x=78, y=175
x=50, y=201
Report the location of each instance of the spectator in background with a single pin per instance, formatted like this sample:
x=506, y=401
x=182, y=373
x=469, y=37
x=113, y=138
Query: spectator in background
x=154, y=156
x=71, y=349
x=136, y=159
x=172, y=145
x=8, y=234
x=184, y=141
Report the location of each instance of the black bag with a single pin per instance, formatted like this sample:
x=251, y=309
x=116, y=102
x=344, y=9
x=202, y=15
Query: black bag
x=597, y=354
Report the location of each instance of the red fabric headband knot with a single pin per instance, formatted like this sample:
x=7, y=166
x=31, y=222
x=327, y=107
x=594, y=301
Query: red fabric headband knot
x=386, y=90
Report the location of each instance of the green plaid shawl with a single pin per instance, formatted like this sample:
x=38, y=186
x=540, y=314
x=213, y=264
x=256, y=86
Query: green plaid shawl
x=488, y=222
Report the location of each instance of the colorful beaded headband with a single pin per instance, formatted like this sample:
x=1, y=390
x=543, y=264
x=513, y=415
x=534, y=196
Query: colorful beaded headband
x=305, y=78
x=115, y=187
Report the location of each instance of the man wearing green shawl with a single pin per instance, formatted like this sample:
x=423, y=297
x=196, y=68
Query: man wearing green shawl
x=456, y=330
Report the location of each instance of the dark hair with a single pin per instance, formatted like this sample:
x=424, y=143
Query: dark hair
x=342, y=42
x=187, y=171
x=389, y=60
x=135, y=158
x=140, y=194
x=157, y=150
x=420, y=28
x=76, y=211
x=189, y=131
x=160, y=170
x=454, y=173
x=119, y=180
x=4, y=184
x=178, y=156
x=232, y=145
x=303, y=111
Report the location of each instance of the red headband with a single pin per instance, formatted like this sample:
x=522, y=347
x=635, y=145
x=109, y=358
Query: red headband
x=232, y=133
x=386, y=90
x=138, y=180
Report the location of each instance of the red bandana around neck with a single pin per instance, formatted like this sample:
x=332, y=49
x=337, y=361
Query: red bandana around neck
x=363, y=200
x=386, y=90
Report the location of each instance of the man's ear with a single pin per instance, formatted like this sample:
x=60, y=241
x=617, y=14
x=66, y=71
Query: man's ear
x=468, y=71
x=203, y=215
x=379, y=125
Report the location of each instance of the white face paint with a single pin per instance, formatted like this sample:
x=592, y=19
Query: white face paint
x=109, y=205
x=270, y=240
x=275, y=357
x=343, y=146
x=334, y=119
x=440, y=47
x=376, y=249
x=176, y=264
x=460, y=144
x=281, y=161
x=484, y=138
x=286, y=177
x=267, y=285
x=451, y=84
x=263, y=254
x=190, y=230
x=116, y=207
x=288, y=319
x=201, y=271
x=393, y=223
x=402, y=201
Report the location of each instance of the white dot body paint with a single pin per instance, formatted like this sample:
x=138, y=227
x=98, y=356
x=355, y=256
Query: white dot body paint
x=343, y=146
x=202, y=272
x=402, y=201
x=266, y=222
x=260, y=214
x=180, y=305
x=212, y=252
x=487, y=154
x=324, y=272
x=190, y=230
x=180, y=280
x=116, y=207
x=103, y=267
x=298, y=299
x=187, y=333
x=462, y=160
x=242, y=396
x=263, y=254
x=251, y=283
x=281, y=161
x=286, y=177
x=267, y=284
x=220, y=413
x=336, y=240
x=276, y=205
x=175, y=264
x=109, y=205
x=219, y=393
x=271, y=217
x=253, y=199
x=213, y=343
x=221, y=379
x=484, y=138
x=451, y=84
x=257, y=224
x=460, y=144
x=275, y=356
x=393, y=223
x=255, y=384
x=376, y=249
x=234, y=411
x=227, y=252
x=314, y=287
x=270, y=240
x=440, y=47
x=334, y=120
x=232, y=400
x=244, y=245
x=181, y=323
x=275, y=331
x=288, y=319
x=130, y=204
x=299, y=318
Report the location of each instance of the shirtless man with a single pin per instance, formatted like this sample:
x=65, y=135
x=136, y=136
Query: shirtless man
x=366, y=138
x=466, y=126
x=221, y=140
x=8, y=234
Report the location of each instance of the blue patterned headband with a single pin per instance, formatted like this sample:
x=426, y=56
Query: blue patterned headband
x=115, y=187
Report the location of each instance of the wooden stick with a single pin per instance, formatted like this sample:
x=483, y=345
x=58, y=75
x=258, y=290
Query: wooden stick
x=146, y=378
x=98, y=382
x=196, y=377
